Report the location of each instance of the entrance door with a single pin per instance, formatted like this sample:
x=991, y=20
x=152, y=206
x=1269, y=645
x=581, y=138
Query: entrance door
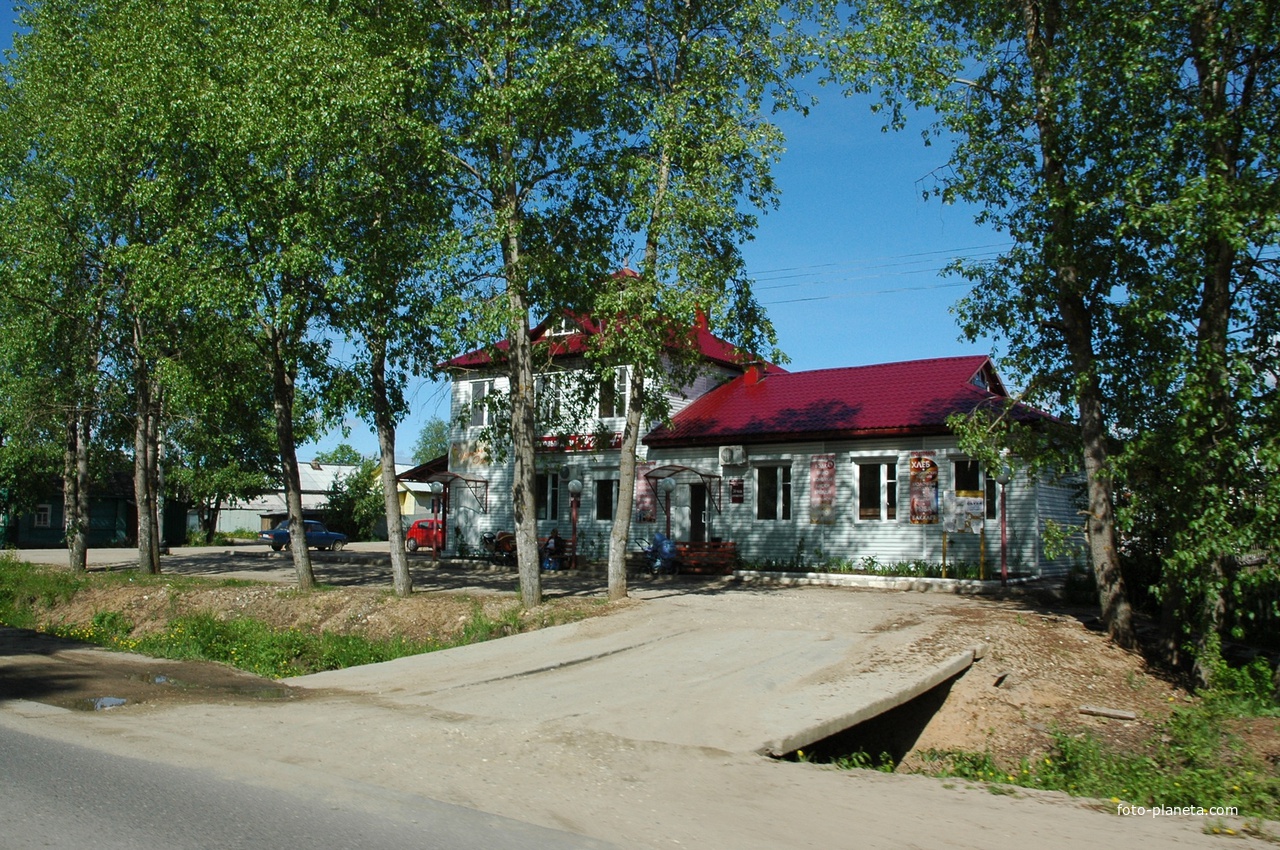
x=697, y=513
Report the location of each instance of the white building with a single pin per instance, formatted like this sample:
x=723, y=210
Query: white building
x=847, y=463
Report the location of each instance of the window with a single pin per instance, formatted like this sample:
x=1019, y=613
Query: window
x=877, y=491
x=967, y=476
x=548, y=496
x=44, y=516
x=613, y=395
x=548, y=390
x=479, y=410
x=773, y=492
x=606, y=498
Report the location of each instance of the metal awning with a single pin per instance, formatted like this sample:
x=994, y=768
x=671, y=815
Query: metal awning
x=684, y=474
x=478, y=487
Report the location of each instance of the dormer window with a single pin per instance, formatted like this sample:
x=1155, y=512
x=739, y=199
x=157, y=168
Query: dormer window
x=561, y=327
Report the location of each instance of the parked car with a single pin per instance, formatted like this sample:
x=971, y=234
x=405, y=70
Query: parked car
x=318, y=536
x=425, y=534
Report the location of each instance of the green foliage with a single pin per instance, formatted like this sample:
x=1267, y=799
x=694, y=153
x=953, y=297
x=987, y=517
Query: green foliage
x=26, y=592
x=865, y=761
x=343, y=454
x=26, y=589
x=252, y=645
x=870, y=565
x=1140, y=291
x=1193, y=760
x=433, y=440
x=1248, y=690
x=355, y=503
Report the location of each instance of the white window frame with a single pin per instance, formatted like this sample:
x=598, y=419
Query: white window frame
x=547, y=501
x=479, y=410
x=886, y=488
x=781, y=485
x=43, y=516
x=609, y=485
x=621, y=387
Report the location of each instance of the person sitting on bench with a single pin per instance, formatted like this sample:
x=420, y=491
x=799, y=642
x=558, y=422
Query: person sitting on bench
x=553, y=551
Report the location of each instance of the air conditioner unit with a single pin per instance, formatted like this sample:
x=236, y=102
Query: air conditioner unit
x=731, y=455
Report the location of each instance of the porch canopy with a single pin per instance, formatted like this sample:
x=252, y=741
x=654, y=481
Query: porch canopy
x=420, y=478
x=685, y=474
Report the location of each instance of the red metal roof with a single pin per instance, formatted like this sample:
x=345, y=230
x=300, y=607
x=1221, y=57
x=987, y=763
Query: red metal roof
x=707, y=344
x=915, y=397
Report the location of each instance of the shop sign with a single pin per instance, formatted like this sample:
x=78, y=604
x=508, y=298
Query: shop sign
x=822, y=489
x=924, y=488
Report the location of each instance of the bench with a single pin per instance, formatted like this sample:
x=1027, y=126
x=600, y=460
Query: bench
x=712, y=557
x=565, y=555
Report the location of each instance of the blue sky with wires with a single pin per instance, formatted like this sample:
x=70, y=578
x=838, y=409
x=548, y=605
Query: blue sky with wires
x=849, y=266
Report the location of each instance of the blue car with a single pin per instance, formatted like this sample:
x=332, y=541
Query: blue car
x=318, y=537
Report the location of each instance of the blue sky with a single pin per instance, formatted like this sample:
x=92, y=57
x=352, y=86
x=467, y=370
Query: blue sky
x=848, y=266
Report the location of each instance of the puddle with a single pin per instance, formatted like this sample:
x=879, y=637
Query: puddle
x=251, y=689
x=100, y=703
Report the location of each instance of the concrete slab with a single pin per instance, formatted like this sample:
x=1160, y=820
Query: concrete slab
x=734, y=670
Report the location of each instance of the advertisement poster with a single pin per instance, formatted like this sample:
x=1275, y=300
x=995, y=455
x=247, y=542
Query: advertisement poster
x=646, y=501
x=822, y=489
x=737, y=491
x=963, y=512
x=924, y=488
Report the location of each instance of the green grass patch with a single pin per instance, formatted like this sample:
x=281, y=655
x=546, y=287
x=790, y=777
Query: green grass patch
x=1193, y=760
x=819, y=562
x=28, y=592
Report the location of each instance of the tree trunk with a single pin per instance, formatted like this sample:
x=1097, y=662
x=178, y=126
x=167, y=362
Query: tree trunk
x=385, y=424
x=524, y=473
x=520, y=373
x=1220, y=428
x=145, y=430
x=282, y=405
x=1040, y=20
x=620, y=532
x=75, y=489
x=211, y=511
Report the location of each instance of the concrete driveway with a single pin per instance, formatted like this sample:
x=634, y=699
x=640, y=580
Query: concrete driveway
x=738, y=670
x=704, y=662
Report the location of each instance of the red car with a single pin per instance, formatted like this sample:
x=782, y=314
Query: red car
x=425, y=534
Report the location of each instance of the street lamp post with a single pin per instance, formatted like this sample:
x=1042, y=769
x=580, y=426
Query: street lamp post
x=1003, y=477
x=436, y=523
x=575, y=498
x=666, y=485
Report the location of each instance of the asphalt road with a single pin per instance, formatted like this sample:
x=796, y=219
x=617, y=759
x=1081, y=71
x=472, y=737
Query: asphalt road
x=61, y=795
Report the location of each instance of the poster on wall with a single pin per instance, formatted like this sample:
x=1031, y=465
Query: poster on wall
x=924, y=488
x=646, y=502
x=822, y=489
x=737, y=491
x=963, y=512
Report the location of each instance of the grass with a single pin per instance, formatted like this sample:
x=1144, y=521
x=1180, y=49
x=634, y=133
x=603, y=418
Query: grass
x=1193, y=760
x=27, y=592
x=918, y=568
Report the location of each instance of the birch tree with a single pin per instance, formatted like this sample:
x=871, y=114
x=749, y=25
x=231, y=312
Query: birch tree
x=530, y=123
x=701, y=78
